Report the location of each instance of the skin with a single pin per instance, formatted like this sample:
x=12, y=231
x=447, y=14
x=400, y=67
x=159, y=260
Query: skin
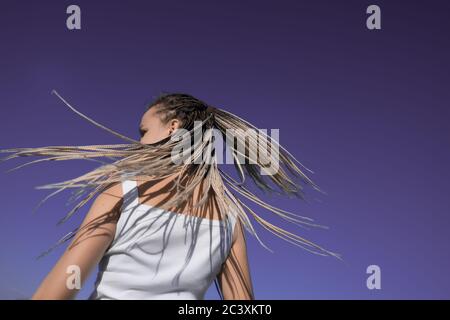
x=98, y=228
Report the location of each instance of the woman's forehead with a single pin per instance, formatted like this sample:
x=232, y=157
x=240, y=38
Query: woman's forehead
x=149, y=115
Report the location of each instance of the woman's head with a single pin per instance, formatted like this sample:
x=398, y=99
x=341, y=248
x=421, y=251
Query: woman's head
x=168, y=113
x=152, y=128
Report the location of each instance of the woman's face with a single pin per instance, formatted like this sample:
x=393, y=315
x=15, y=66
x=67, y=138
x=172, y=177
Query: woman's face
x=152, y=128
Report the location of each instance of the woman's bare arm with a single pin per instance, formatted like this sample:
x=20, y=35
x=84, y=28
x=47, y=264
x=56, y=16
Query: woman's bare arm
x=87, y=248
x=234, y=278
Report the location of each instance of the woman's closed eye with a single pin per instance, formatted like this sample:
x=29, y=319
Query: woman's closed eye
x=142, y=132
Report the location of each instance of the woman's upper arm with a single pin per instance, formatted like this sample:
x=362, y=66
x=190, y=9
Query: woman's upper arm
x=234, y=277
x=86, y=249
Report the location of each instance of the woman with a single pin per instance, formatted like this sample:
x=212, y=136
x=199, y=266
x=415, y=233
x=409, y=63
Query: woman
x=165, y=223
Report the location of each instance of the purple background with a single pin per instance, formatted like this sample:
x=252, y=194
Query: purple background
x=367, y=111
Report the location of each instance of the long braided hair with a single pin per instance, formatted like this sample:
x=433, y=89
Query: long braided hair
x=149, y=161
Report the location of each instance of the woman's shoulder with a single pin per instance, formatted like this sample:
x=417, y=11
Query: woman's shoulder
x=111, y=196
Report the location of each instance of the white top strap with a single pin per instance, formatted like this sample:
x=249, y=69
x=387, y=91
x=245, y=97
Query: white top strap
x=233, y=218
x=130, y=193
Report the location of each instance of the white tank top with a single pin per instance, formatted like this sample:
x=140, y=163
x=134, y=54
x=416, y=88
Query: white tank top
x=159, y=254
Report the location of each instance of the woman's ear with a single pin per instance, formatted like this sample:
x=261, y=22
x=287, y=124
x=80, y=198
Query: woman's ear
x=174, y=125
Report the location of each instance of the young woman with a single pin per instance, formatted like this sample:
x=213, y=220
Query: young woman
x=165, y=224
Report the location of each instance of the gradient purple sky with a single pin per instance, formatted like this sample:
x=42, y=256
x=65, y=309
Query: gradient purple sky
x=367, y=111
